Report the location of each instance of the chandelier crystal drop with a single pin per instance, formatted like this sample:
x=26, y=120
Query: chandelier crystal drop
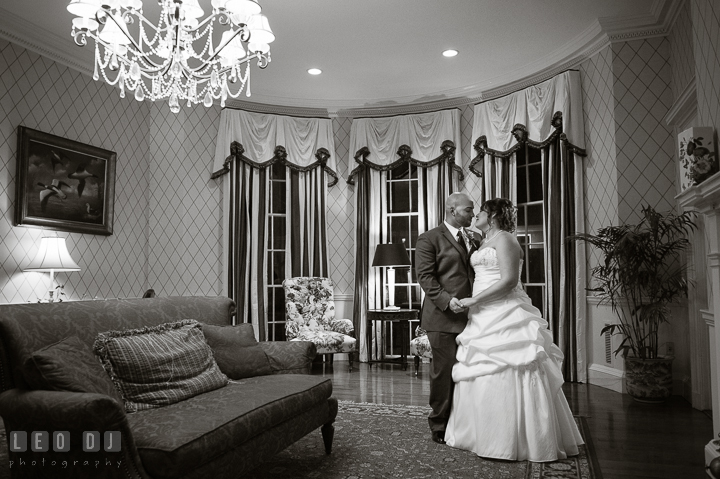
x=177, y=58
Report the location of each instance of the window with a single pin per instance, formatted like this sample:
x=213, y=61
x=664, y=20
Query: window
x=402, y=226
x=530, y=224
x=276, y=253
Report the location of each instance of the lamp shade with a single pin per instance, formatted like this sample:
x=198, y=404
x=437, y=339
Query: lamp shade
x=393, y=254
x=52, y=256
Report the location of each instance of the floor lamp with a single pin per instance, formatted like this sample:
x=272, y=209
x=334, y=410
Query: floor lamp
x=51, y=257
x=391, y=256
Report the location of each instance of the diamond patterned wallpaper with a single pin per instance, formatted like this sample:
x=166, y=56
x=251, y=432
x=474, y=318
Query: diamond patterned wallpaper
x=341, y=215
x=41, y=94
x=645, y=146
x=706, y=40
x=600, y=173
x=682, y=59
x=465, y=153
x=185, y=205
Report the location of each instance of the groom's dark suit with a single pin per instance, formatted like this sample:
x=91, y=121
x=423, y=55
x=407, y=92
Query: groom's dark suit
x=444, y=272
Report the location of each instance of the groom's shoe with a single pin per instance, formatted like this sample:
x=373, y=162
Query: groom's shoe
x=438, y=437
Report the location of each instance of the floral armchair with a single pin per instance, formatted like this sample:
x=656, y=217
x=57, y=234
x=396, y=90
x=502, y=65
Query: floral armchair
x=310, y=316
x=420, y=347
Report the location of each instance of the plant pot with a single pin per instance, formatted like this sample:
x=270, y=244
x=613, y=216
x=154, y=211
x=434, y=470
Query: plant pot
x=648, y=380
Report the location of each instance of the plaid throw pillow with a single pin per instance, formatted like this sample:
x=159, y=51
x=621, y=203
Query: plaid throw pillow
x=159, y=365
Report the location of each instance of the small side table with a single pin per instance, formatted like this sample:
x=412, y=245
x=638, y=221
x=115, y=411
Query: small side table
x=402, y=316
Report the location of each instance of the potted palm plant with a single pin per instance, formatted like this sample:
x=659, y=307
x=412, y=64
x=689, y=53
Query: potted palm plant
x=640, y=274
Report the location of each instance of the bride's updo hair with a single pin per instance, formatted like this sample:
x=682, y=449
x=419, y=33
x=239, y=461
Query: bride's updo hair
x=502, y=212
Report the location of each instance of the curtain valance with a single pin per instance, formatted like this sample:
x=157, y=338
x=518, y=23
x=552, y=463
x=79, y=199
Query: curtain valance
x=301, y=143
x=446, y=156
x=532, y=114
x=383, y=137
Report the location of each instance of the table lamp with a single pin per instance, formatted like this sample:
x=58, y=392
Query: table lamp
x=391, y=256
x=51, y=257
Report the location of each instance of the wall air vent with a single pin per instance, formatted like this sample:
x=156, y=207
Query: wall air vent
x=608, y=346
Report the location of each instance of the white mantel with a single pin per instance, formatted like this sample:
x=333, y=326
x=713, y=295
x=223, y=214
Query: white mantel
x=705, y=199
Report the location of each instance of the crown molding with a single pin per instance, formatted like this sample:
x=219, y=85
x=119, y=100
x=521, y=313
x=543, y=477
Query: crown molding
x=277, y=109
x=27, y=35
x=684, y=107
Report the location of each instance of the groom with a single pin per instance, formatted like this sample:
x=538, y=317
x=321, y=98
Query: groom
x=445, y=275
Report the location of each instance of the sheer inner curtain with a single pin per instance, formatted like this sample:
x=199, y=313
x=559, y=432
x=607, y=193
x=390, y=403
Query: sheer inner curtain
x=547, y=116
x=376, y=144
x=256, y=142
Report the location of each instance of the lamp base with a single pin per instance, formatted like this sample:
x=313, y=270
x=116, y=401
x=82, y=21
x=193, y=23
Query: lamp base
x=391, y=308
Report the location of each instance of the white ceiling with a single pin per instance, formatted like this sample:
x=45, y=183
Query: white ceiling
x=387, y=53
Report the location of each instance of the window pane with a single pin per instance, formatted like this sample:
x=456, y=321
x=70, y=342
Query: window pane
x=399, y=228
x=534, y=155
x=535, y=181
x=411, y=253
x=521, y=185
x=413, y=171
x=536, y=296
x=278, y=232
x=278, y=332
x=413, y=232
x=277, y=171
x=400, y=197
x=521, y=218
x=401, y=296
x=520, y=155
x=402, y=171
x=278, y=304
x=414, y=196
x=535, y=219
x=415, y=291
x=278, y=197
x=279, y=269
x=536, y=264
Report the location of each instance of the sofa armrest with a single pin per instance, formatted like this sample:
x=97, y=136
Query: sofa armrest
x=290, y=357
x=53, y=411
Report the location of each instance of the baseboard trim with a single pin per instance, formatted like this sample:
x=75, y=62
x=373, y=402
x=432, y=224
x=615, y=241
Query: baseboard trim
x=608, y=378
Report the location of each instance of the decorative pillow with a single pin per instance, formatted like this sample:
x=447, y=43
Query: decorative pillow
x=68, y=365
x=236, y=351
x=160, y=365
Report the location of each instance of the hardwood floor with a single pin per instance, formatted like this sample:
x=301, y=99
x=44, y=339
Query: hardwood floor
x=632, y=440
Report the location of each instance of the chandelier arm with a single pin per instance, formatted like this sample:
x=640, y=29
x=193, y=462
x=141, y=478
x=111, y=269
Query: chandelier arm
x=217, y=52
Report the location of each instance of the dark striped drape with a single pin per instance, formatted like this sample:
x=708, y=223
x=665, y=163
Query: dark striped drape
x=560, y=216
x=306, y=235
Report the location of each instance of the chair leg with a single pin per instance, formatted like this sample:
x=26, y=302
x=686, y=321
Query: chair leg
x=350, y=360
x=328, y=432
x=417, y=364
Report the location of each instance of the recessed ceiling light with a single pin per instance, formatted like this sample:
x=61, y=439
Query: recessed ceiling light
x=314, y=71
x=450, y=53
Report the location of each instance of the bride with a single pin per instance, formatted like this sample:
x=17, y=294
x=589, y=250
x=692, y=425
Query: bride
x=507, y=401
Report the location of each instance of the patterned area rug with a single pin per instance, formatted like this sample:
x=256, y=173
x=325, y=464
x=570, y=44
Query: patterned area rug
x=385, y=441
x=382, y=441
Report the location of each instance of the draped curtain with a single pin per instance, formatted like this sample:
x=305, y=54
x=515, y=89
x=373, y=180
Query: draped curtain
x=380, y=144
x=257, y=142
x=547, y=116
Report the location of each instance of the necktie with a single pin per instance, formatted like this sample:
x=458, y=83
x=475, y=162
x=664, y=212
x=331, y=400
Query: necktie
x=461, y=240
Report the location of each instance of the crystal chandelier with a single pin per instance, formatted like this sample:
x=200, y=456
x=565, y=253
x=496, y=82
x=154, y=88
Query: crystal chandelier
x=177, y=58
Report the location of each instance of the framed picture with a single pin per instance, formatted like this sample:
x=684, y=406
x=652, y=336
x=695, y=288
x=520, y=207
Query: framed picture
x=63, y=185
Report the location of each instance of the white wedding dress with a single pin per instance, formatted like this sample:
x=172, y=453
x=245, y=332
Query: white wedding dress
x=507, y=402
